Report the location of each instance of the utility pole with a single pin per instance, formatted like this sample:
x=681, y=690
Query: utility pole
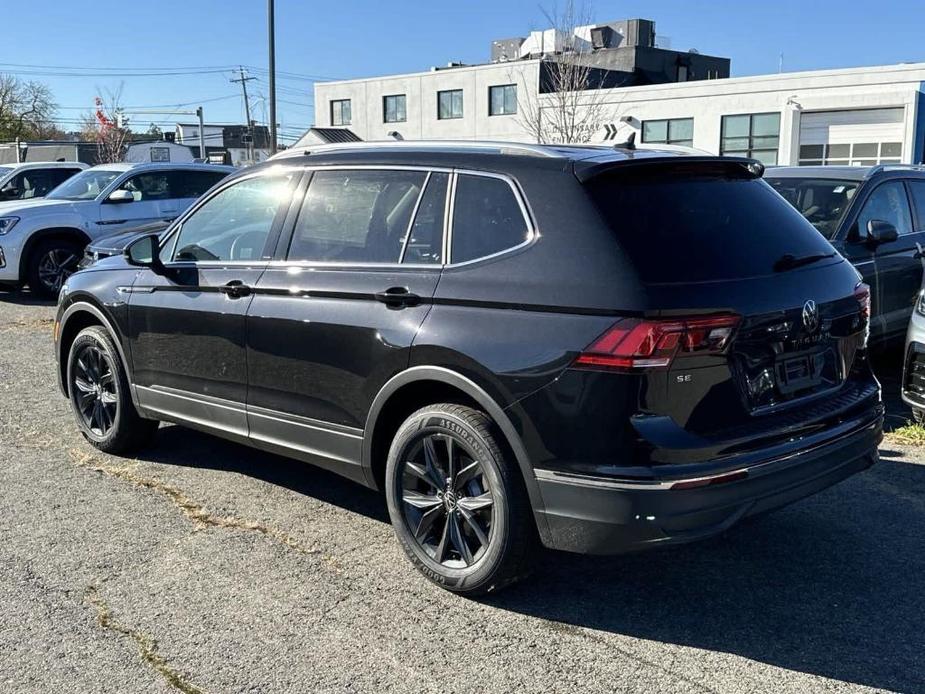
x=202, y=135
x=244, y=79
x=271, y=29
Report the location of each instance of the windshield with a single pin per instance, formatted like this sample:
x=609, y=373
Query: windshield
x=85, y=185
x=696, y=225
x=822, y=201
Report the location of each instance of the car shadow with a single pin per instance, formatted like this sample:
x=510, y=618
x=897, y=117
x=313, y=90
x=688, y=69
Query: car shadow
x=181, y=447
x=23, y=297
x=833, y=586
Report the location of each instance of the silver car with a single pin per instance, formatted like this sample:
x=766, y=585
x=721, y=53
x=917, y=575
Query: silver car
x=914, y=367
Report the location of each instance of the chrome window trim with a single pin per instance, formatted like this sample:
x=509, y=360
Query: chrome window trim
x=532, y=231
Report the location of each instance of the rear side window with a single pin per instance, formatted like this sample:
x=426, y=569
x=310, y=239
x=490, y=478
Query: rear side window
x=487, y=218
x=356, y=216
x=691, y=225
x=192, y=184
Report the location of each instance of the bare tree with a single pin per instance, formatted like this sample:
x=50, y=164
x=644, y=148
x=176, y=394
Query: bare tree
x=27, y=109
x=107, y=128
x=567, y=105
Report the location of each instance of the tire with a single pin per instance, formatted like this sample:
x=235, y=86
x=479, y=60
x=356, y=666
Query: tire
x=443, y=526
x=100, y=396
x=50, y=264
x=918, y=416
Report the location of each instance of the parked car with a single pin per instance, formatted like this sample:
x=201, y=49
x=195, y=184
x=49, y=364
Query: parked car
x=913, y=388
x=35, y=179
x=42, y=241
x=875, y=217
x=115, y=244
x=594, y=349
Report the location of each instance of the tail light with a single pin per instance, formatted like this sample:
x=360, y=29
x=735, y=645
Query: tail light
x=862, y=294
x=638, y=344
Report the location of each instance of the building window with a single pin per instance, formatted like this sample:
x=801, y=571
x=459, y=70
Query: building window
x=682, y=73
x=393, y=108
x=450, y=104
x=674, y=131
x=340, y=112
x=854, y=154
x=502, y=100
x=755, y=135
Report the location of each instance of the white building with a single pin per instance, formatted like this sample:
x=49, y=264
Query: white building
x=846, y=116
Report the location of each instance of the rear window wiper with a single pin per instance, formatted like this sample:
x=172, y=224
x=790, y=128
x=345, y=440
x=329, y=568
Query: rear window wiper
x=790, y=261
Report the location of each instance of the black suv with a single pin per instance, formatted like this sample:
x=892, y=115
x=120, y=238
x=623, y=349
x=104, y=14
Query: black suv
x=594, y=349
x=875, y=217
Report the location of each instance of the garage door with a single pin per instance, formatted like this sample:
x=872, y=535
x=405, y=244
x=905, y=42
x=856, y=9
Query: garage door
x=864, y=137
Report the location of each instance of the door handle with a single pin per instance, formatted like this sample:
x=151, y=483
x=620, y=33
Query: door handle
x=235, y=289
x=397, y=297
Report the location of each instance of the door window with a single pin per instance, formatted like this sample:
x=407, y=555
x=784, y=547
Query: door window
x=356, y=216
x=918, y=197
x=888, y=203
x=425, y=243
x=487, y=218
x=149, y=186
x=234, y=223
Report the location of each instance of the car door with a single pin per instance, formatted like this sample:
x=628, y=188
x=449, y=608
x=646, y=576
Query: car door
x=335, y=317
x=892, y=269
x=187, y=318
x=150, y=202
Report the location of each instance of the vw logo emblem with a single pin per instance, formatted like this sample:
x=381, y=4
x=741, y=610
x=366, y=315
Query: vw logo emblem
x=810, y=316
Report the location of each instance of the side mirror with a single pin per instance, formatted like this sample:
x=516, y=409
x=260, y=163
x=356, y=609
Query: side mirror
x=880, y=232
x=144, y=252
x=121, y=196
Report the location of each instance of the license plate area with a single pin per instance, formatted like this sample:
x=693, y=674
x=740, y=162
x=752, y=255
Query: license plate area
x=800, y=373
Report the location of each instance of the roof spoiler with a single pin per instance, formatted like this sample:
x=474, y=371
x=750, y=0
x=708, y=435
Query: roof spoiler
x=587, y=170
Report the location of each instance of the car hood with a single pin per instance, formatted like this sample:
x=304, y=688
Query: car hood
x=116, y=243
x=18, y=207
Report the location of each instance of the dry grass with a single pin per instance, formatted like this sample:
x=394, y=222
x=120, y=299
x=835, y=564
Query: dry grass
x=147, y=646
x=910, y=435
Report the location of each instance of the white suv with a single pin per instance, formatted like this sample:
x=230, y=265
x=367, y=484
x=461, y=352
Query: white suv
x=41, y=241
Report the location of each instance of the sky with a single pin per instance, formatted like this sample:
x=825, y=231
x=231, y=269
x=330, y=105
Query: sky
x=81, y=49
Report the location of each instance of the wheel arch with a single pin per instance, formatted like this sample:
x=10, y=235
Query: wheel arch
x=446, y=382
x=61, y=232
x=76, y=317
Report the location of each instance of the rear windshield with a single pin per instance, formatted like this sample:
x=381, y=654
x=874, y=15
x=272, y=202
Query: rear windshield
x=822, y=201
x=695, y=226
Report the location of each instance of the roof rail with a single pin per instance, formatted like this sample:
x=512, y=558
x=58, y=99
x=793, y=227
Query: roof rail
x=880, y=168
x=500, y=147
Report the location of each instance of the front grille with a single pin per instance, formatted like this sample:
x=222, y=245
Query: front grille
x=914, y=377
x=2, y=258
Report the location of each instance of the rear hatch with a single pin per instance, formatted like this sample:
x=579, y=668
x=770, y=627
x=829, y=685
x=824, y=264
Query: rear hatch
x=709, y=239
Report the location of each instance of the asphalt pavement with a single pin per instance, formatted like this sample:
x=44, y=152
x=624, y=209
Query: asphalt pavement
x=204, y=566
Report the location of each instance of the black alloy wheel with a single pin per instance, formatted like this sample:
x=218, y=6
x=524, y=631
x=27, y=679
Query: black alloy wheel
x=100, y=397
x=55, y=266
x=95, y=390
x=458, y=503
x=447, y=500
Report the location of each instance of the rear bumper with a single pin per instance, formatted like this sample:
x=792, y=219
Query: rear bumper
x=602, y=516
